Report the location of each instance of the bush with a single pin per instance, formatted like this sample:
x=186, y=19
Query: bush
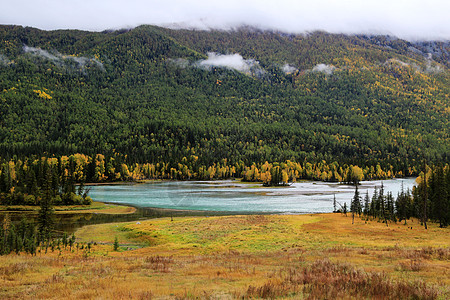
x=72, y=199
x=29, y=200
x=57, y=200
x=87, y=200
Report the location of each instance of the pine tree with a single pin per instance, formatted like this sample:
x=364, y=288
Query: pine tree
x=116, y=244
x=366, y=204
x=334, y=203
x=402, y=205
x=438, y=196
x=374, y=205
x=46, y=213
x=355, y=205
x=5, y=180
x=390, y=211
x=425, y=198
x=382, y=205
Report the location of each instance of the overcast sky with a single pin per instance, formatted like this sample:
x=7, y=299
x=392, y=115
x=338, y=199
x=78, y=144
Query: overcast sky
x=410, y=19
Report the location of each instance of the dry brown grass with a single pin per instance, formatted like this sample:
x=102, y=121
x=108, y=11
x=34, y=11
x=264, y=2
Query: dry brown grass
x=326, y=280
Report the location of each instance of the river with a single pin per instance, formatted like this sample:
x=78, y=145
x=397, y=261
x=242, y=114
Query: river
x=203, y=198
x=237, y=197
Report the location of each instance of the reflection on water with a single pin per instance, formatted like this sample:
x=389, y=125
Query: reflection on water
x=70, y=222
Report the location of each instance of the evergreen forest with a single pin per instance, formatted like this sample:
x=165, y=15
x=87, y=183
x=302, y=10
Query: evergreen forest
x=153, y=102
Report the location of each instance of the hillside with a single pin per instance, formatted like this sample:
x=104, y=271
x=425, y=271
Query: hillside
x=161, y=95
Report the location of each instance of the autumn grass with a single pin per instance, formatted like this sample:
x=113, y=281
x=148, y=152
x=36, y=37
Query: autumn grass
x=247, y=257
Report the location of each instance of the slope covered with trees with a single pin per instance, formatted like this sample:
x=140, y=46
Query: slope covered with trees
x=148, y=94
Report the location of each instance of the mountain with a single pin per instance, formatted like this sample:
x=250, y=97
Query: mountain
x=161, y=95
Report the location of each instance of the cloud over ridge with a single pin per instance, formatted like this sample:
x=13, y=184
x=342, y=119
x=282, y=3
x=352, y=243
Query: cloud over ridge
x=413, y=19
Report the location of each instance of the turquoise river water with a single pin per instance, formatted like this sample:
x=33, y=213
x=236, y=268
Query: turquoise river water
x=237, y=197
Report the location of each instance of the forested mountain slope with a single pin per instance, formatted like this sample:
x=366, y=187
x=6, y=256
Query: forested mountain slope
x=161, y=95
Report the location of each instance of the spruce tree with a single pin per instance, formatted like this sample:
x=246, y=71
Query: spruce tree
x=355, y=204
x=390, y=211
x=374, y=203
x=366, y=204
x=46, y=213
x=116, y=244
x=334, y=203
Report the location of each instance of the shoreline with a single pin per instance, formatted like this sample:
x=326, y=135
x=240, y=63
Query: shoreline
x=239, y=180
x=97, y=208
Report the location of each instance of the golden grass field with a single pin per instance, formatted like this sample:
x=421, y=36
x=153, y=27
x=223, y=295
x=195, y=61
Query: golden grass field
x=319, y=256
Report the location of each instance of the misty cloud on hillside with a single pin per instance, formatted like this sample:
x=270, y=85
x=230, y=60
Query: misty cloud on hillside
x=4, y=61
x=40, y=52
x=180, y=62
x=61, y=59
x=287, y=68
x=430, y=66
x=413, y=20
x=322, y=68
x=229, y=61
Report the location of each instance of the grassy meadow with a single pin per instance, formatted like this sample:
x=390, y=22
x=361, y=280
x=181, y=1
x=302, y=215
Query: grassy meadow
x=321, y=256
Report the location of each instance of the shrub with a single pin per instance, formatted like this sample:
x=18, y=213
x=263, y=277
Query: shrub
x=87, y=200
x=29, y=200
x=327, y=280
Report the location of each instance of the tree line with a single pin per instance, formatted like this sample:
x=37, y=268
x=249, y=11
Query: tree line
x=25, y=181
x=428, y=200
x=34, y=182
x=28, y=237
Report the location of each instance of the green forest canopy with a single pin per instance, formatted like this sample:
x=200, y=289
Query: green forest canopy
x=356, y=100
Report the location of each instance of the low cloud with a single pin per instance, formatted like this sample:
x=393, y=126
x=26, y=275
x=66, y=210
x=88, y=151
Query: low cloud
x=414, y=19
x=40, y=52
x=228, y=61
x=323, y=68
x=180, y=62
x=63, y=60
x=4, y=61
x=396, y=61
x=430, y=67
x=288, y=69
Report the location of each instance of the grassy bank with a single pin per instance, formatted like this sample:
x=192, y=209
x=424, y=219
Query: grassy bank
x=228, y=257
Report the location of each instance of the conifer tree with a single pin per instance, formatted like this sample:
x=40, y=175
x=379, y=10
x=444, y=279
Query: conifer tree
x=374, y=205
x=116, y=244
x=46, y=213
x=366, y=204
x=355, y=205
x=334, y=203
